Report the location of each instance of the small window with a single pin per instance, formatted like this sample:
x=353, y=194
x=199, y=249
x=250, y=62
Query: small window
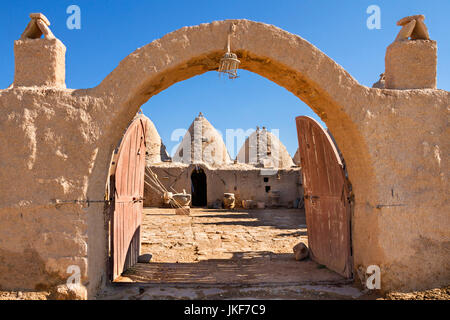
x=266, y=179
x=267, y=188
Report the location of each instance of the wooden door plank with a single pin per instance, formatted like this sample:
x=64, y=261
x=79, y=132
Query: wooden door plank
x=129, y=185
x=326, y=205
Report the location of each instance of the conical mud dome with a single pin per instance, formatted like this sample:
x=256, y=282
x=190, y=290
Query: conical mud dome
x=155, y=149
x=202, y=144
x=264, y=148
x=297, y=158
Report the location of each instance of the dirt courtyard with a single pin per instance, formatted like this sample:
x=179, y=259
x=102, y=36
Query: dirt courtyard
x=219, y=254
x=219, y=246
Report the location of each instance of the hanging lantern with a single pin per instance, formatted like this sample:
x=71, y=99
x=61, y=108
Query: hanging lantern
x=229, y=62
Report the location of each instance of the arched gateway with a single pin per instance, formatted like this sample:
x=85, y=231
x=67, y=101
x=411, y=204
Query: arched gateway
x=385, y=137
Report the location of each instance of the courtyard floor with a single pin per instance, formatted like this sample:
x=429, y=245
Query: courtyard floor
x=221, y=254
x=220, y=246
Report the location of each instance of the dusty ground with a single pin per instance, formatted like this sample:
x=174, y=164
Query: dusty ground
x=432, y=294
x=219, y=254
x=239, y=254
x=220, y=234
x=228, y=247
x=19, y=295
x=298, y=292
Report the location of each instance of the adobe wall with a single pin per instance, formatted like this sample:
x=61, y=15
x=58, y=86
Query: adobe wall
x=245, y=181
x=172, y=177
x=49, y=144
x=250, y=185
x=57, y=144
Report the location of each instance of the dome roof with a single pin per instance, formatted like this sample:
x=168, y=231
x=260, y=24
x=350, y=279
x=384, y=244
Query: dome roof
x=156, y=151
x=202, y=143
x=297, y=157
x=264, y=148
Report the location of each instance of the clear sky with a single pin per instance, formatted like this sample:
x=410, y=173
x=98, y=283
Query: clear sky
x=110, y=30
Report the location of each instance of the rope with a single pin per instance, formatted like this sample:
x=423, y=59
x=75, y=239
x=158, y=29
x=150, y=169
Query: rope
x=159, y=187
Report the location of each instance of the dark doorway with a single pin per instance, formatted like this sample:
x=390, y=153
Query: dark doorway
x=198, y=187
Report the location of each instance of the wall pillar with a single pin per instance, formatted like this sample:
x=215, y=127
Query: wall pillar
x=411, y=64
x=39, y=62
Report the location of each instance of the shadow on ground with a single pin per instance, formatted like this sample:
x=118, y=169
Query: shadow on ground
x=277, y=218
x=242, y=268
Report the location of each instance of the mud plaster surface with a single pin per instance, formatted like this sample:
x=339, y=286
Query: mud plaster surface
x=57, y=144
x=229, y=247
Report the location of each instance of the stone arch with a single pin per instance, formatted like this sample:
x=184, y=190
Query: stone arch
x=275, y=54
x=59, y=142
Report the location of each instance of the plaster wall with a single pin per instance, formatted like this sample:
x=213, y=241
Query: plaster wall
x=246, y=184
x=57, y=145
x=411, y=64
x=42, y=63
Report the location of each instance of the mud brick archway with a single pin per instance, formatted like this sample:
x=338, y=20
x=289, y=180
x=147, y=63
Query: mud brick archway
x=57, y=145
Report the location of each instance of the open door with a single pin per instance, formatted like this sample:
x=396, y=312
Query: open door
x=127, y=189
x=198, y=188
x=327, y=203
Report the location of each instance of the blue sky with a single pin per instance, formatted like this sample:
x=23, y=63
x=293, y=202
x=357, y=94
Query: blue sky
x=110, y=30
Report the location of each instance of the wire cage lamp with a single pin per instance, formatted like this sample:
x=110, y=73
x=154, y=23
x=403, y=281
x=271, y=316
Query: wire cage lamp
x=229, y=62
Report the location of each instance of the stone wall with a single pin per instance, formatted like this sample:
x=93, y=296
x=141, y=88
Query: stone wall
x=245, y=181
x=49, y=145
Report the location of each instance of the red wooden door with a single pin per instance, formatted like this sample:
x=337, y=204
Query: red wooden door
x=128, y=191
x=327, y=204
